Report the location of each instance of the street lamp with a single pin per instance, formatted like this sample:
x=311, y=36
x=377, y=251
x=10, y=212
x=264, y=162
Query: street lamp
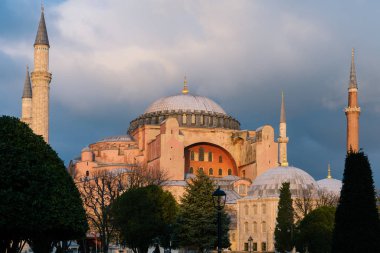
x=250, y=240
x=219, y=200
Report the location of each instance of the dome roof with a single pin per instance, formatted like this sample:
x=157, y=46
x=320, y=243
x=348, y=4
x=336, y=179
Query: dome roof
x=185, y=102
x=268, y=184
x=117, y=138
x=330, y=184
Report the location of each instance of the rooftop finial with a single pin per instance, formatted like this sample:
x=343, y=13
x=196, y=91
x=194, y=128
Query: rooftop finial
x=42, y=5
x=283, y=115
x=185, y=89
x=353, y=82
x=329, y=171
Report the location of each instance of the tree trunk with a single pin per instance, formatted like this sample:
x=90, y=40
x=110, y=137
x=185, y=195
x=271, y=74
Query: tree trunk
x=41, y=246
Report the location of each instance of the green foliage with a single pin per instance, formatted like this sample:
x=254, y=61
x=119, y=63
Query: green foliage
x=357, y=225
x=142, y=215
x=315, y=230
x=197, y=220
x=38, y=199
x=283, y=232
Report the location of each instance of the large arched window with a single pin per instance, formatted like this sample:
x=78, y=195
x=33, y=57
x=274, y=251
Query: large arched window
x=246, y=227
x=210, y=156
x=229, y=172
x=220, y=172
x=201, y=169
x=201, y=154
x=210, y=171
x=263, y=227
x=263, y=209
x=191, y=170
x=254, y=227
x=254, y=209
x=192, y=155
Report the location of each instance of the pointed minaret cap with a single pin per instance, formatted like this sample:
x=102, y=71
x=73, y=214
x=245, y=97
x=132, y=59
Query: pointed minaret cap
x=353, y=82
x=27, y=92
x=283, y=116
x=185, y=89
x=329, y=171
x=42, y=36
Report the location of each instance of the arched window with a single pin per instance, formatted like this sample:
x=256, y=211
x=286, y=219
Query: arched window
x=246, y=211
x=201, y=169
x=184, y=119
x=192, y=119
x=87, y=173
x=254, y=209
x=246, y=227
x=220, y=159
x=210, y=156
x=263, y=209
x=254, y=227
x=192, y=155
x=201, y=154
x=220, y=172
x=210, y=171
x=202, y=119
x=263, y=227
x=229, y=172
x=191, y=170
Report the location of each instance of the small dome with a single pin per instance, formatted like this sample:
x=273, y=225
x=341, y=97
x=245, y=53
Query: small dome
x=121, y=138
x=331, y=185
x=268, y=184
x=185, y=102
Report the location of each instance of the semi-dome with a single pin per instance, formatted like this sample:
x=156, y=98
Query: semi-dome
x=268, y=184
x=185, y=103
x=331, y=185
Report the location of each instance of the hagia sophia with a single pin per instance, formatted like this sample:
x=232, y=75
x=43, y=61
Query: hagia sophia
x=183, y=133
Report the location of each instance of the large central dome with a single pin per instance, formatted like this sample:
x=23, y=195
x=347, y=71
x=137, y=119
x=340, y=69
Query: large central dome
x=185, y=103
x=190, y=111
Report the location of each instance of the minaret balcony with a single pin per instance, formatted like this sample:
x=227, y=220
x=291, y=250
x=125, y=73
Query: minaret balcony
x=283, y=139
x=352, y=109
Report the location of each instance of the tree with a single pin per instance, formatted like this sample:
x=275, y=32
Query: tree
x=315, y=231
x=39, y=202
x=283, y=232
x=197, y=219
x=100, y=189
x=357, y=225
x=142, y=215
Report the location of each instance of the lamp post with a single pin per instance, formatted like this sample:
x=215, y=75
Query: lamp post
x=250, y=240
x=219, y=200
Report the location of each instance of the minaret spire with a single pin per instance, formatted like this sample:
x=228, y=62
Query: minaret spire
x=329, y=171
x=352, y=110
x=27, y=92
x=26, y=101
x=353, y=82
x=283, y=139
x=185, y=89
x=42, y=35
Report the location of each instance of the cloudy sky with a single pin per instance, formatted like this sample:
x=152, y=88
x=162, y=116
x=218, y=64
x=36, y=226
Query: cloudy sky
x=111, y=59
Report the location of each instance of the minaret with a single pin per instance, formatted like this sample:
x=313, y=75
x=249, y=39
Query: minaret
x=26, y=107
x=41, y=81
x=283, y=139
x=352, y=110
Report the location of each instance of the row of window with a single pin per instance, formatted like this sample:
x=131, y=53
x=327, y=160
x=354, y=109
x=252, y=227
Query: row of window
x=201, y=156
x=255, y=209
x=253, y=246
x=211, y=171
x=255, y=228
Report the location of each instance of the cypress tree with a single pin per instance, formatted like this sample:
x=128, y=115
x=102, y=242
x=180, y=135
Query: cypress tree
x=283, y=232
x=357, y=225
x=197, y=220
